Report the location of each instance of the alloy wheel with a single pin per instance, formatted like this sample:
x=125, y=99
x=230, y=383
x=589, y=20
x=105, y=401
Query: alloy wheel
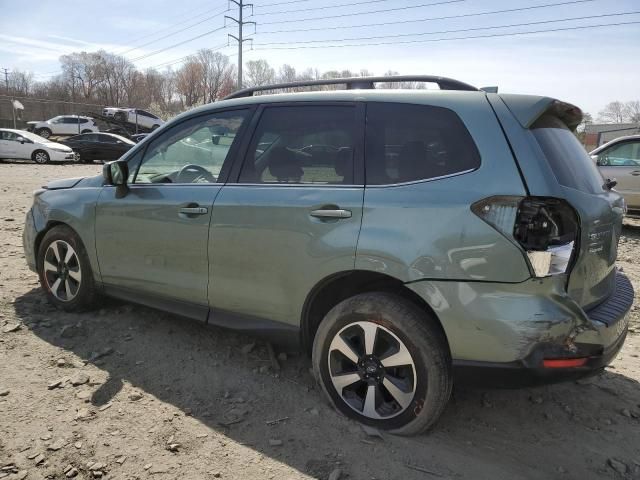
x=76, y=157
x=61, y=270
x=372, y=370
x=41, y=157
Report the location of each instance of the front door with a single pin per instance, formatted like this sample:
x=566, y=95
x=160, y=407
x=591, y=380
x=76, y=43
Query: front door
x=8, y=145
x=293, y=217
x=154, y=239
x=622, y=162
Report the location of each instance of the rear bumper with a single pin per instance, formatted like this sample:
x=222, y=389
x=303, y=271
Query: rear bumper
x=609, y=322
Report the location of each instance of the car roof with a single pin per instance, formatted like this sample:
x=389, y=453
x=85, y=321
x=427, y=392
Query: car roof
x=595, y=151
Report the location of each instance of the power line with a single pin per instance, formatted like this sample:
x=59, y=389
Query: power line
x=454, y=38
x=324, y=7
x=395, y=9
x=217, y=14
x=282, y=3
x=590, y=17
x=427, y=19
x=181, y=59
x=177, y=44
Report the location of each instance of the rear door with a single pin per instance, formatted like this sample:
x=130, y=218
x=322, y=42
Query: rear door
x=7, y=145
x=293, y=216
x=622, y=162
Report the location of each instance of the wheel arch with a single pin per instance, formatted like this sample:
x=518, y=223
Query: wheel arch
x=337, y=287
x=40, y=235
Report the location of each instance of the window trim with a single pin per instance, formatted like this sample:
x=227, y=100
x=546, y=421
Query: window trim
x=430, y=179
x=226, y=166
x=358, y=154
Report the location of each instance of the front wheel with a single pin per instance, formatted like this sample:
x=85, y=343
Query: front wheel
x=44, y=132
x=64, y=270
x=384, y=361
x=40, y=156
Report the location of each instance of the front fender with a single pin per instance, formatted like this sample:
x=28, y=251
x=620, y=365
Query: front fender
x=75, y=207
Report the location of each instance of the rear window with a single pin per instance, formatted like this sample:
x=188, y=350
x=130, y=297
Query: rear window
x=568, y=159
x=407, y=143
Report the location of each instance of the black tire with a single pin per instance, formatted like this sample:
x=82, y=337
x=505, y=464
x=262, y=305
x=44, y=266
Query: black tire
x=40, y=156
x=87, y=131
x=44, y=132
x=423, y=338
x=86, y=294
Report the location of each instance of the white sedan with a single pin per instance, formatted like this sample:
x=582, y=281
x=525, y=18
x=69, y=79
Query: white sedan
x=18, y=144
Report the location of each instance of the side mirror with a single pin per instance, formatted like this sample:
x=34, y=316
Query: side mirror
x=21, y=140
x=116, y=173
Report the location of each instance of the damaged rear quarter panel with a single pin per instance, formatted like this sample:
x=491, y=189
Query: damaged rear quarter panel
x=498, y=322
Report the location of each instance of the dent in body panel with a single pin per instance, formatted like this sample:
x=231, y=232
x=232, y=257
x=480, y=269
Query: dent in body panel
x=504, y=322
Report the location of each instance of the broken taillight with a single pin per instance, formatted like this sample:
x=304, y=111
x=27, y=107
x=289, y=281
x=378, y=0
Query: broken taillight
x=545, y=228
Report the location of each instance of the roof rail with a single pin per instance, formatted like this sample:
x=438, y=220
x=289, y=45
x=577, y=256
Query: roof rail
x=358, y=82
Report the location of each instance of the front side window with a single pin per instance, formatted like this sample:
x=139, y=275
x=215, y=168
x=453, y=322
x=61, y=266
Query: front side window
x=408, y=143
x=8, y=136
x=193, y=151
x=621, y=155
x=302, y=144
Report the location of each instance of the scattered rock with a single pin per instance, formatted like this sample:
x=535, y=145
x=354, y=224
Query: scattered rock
x=84, y=414
x=486, y=402
x=56, y=384
x=61, y=362
x=121, y=460
x=78, y=445
x=617, y=465
x=22, y=474
x=4, y=392
x=84, y=395
x=371, y=432
x=79, y=378
x=12, y=328
x=314, y=412
x=282, y=356
x=335, y=474
x=158, y=469
x=246, y=349
x=100, y=354
x=625, y=412
x=264, y=369
x=105, y=406
x=57, y=445
x=39, y=459
x=147, y=466
x=72, y=473
x=536, y=399
x=274, y=442
x=135, y=396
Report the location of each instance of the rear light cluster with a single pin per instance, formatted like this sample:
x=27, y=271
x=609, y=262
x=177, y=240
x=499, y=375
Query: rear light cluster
x=545, y=228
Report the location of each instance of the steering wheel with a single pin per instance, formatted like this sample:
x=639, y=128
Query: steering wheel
x=196, y=173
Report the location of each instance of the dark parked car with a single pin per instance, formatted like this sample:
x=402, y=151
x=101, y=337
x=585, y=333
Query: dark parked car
x=98, y=146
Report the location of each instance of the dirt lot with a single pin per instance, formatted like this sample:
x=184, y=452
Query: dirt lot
x=161, y=397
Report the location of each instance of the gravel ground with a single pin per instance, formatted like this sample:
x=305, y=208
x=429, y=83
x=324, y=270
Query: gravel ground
x=157, y=396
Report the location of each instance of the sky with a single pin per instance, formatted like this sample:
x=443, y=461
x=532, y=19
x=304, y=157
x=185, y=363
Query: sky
x=588, y=67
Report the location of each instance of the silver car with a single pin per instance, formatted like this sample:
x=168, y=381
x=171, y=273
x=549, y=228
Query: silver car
x=619, y=159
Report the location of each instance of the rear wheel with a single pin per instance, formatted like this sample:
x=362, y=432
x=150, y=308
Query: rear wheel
x=64, y=270
x=40, y=156
x=385, y=362
x=44, y=132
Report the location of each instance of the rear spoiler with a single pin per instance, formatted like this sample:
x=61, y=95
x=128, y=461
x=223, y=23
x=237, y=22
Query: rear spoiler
x=529, y=108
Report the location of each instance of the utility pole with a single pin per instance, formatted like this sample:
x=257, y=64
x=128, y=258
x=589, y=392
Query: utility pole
x=6, y=83
x=241, y=23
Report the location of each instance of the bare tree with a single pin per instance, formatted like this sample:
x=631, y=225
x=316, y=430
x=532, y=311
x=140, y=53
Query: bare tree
x=216, y=68
x=20, y=83
x=257, y=73
x=613, y=112
x=189, y=82
x=632, y=111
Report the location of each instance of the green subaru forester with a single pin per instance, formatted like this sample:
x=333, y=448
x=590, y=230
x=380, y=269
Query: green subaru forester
x=405, y=238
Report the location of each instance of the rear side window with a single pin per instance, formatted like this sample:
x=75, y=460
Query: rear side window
x=302, y=144
x=407, y=143
x=568, y=159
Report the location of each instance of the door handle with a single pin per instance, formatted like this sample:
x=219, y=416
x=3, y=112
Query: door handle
x=635, y=172
x=333, y=213
x=194, y=210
